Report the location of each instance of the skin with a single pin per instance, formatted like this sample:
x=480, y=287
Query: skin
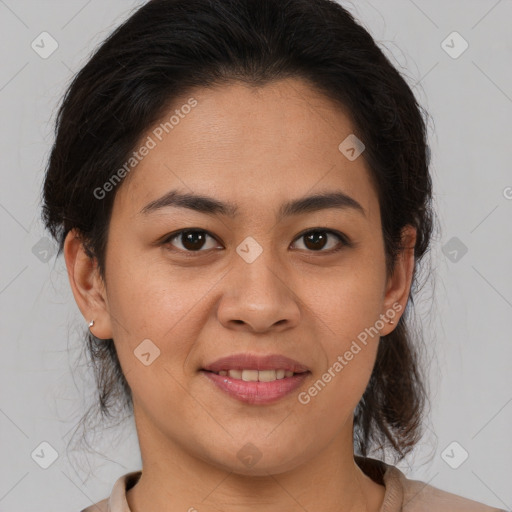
x=257, y=148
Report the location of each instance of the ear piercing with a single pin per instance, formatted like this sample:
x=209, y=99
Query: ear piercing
x=91, y=323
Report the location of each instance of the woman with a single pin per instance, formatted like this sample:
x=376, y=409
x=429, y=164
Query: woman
x=240, y=189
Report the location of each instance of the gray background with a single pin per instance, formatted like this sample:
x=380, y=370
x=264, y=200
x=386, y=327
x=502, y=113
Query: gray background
x=467, y=325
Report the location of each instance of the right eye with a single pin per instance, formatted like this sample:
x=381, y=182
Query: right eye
x=191, y=240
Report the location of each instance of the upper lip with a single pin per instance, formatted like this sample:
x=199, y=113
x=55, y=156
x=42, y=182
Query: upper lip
x=256, y=362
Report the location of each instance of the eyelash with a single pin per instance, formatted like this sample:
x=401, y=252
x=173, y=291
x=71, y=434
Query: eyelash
x=343, y=239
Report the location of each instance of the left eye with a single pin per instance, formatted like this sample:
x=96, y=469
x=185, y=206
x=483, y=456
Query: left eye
x=317, y=240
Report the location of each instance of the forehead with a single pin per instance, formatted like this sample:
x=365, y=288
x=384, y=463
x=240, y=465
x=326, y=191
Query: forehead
x=248, y=145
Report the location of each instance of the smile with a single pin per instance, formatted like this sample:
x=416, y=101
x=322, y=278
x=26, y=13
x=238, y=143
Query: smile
x=247, y=387
x=256, y=375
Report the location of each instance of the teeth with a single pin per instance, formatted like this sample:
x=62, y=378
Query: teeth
x=250, y=375
x=257, y=375
x=267, y=375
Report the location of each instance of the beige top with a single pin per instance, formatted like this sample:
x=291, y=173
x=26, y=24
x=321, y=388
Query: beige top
x=401, y=495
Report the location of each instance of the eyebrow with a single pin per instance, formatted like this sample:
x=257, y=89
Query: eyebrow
x=212, y=206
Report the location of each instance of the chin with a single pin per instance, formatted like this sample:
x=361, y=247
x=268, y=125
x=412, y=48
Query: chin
x=252, y=461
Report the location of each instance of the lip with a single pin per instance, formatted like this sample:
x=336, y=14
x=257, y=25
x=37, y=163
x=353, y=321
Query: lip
x=256, y=392
x=246, y=361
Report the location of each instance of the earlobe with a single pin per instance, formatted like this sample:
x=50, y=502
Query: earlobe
x=87, y=285
x=399, y=283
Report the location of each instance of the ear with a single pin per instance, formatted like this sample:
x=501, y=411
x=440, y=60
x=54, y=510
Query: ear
x=398, y=285
x=87, y=286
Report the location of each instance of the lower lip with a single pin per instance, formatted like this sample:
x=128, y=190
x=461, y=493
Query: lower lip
x=256, y=392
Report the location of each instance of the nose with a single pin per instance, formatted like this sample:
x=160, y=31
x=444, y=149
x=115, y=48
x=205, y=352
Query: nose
x=258, y=297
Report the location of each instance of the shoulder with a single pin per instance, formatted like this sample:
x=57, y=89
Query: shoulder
x=116, y=502
x=406, y=495
x=101, y=506
x=419, y=496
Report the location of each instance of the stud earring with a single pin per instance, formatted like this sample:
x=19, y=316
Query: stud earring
x=91, y=323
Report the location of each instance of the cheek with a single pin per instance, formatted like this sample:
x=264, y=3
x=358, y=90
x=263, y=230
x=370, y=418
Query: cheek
x=347, y=305
x=348, y=299
x=145, y=293
x=349, y=342
x=158, y=304
x=167, y=311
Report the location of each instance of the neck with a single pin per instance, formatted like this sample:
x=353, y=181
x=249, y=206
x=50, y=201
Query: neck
x=173, y=479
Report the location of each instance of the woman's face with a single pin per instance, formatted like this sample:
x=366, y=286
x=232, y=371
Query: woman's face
x=254, y=280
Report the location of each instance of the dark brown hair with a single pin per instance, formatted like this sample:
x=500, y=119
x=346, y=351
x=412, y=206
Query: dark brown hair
x=168, y=47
